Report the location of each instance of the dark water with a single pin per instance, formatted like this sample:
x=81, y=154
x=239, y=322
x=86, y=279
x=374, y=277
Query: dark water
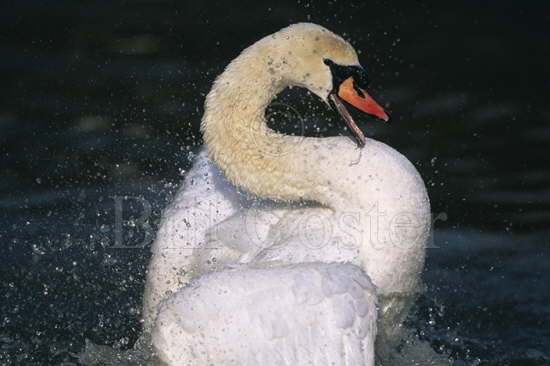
x=99, y=110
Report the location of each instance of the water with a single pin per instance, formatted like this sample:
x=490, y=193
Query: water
x=100, y=109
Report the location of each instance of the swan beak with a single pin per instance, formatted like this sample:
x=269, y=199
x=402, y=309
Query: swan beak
x=364, y=102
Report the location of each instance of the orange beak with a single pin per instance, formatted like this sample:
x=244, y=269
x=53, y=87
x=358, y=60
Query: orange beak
x=365, y=103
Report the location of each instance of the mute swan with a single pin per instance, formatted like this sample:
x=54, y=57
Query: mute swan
x=285, y=292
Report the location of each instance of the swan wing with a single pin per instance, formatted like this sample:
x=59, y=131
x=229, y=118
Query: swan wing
x=306, y=314
x=204, y=199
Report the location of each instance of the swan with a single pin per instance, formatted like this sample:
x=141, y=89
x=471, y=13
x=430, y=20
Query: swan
x=285, y=250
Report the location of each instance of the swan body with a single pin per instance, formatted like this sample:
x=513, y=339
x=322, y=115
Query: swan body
x=277, y=249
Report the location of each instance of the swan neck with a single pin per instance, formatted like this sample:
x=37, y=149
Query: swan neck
x=251, y=155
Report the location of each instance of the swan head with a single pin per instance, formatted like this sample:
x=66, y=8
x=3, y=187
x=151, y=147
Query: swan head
x=310, y=56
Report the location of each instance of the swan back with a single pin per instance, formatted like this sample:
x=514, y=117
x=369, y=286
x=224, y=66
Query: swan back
x=379, y=216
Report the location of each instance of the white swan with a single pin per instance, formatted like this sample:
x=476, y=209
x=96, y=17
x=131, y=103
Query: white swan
x=235, y=281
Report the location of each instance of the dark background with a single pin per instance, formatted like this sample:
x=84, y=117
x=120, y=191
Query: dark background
x=100, y=100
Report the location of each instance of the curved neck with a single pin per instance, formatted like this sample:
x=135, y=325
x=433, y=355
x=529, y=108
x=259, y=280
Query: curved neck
x=252, y=156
